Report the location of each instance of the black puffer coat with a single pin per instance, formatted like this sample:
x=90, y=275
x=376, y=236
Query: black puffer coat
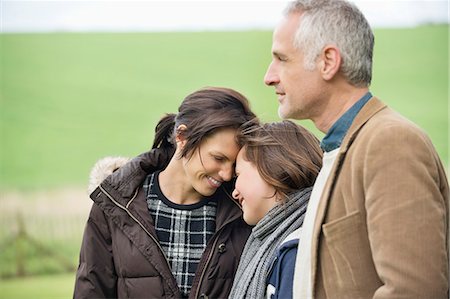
x=121, y=257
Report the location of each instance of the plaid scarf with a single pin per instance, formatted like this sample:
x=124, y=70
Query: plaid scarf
x=183, y=231
x=267, y=235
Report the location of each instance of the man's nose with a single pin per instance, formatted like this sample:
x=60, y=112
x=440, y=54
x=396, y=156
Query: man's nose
x=271, y=78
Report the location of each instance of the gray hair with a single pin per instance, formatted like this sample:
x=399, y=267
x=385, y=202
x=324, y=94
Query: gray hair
x=337, y=22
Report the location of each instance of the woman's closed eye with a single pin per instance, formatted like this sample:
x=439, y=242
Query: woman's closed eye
x=219, y=158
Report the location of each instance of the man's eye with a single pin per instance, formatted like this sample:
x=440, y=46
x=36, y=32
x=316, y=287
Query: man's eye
x=220, y=159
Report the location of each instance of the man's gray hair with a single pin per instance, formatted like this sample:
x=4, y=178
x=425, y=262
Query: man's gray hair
x=340, y=23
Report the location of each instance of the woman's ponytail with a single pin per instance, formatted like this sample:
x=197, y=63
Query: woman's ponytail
x=164, y=139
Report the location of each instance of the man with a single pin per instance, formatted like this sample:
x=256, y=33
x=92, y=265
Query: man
x=377, y=220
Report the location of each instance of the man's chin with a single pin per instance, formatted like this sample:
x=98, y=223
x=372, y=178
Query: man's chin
x=282, y=113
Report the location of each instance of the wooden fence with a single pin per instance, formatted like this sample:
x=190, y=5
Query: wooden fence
x=41, y=234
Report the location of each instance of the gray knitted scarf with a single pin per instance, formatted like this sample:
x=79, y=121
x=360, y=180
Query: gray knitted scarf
x=261, y=246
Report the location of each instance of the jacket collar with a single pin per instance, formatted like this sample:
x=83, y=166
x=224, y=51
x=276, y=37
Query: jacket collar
x=371, y=108
x=228, y=209
x=121, y=177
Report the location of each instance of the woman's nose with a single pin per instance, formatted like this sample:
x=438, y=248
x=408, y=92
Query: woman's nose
x=226, y=173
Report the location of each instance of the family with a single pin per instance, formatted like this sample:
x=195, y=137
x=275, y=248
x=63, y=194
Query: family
x=226, y=206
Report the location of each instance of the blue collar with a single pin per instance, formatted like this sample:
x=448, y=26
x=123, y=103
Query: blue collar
x=337, y=132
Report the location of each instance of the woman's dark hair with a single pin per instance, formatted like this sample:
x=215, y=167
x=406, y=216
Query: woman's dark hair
x=286, y=155
x=203, y=112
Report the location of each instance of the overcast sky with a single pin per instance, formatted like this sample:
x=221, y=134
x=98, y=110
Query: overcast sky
x=78, y=15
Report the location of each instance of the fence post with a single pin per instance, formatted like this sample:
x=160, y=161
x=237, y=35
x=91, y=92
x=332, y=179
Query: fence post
x=20, y=254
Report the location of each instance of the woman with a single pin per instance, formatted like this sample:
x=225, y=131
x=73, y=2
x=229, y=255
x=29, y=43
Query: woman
x=165, y=225
x=276, y=169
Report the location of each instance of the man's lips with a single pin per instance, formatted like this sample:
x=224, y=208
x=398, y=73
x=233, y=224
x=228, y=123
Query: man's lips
x=280, y=95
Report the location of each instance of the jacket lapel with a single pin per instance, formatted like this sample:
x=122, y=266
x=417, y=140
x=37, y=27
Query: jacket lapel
x=372, y=107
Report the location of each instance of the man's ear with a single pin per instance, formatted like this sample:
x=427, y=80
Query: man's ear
x=180, y=137
x=330, y=62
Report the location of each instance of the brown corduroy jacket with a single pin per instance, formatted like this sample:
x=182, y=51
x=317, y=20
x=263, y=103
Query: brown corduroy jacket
x=382, y=225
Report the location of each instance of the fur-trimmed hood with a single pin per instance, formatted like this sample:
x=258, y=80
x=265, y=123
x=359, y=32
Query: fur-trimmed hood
x=103, y=168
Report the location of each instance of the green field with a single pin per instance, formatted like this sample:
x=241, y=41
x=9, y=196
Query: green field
x=41, y=287
x=68, y=99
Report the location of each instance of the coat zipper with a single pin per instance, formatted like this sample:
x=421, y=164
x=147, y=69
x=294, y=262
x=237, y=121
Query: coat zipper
x=137, y=221
x=205, y=267
x=212, y=252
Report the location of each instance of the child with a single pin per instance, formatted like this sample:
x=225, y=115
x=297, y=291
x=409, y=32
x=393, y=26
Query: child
x=276, y=169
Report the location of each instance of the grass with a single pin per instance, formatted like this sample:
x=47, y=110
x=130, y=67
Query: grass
x=47, y=257
x=40, y=287
x=68, y=99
